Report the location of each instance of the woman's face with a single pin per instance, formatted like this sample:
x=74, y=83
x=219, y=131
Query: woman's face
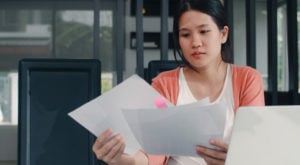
x=200, y=38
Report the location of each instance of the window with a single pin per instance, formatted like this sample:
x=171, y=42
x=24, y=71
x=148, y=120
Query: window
x=283, y=73
x=38, y=31
x=8, y=98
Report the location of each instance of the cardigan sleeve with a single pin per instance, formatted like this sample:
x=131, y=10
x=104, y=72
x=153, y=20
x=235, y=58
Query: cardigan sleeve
x=157, y=159
x=248, y=87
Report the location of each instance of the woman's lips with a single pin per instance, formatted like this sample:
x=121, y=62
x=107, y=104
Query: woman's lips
x=198, y=54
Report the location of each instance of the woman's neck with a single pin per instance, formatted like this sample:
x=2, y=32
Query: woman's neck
x=210, y=74
x=207, y=82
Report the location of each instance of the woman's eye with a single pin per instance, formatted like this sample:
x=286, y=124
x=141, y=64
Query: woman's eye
x=184, y=35
x=204, y=31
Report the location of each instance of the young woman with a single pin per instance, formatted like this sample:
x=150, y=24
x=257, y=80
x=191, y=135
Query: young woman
x=201, y=40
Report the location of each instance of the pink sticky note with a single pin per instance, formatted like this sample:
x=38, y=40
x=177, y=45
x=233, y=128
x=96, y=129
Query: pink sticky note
x=160, y=103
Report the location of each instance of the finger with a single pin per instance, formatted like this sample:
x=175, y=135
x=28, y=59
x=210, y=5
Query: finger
x=116, y=148
x=100, y=141
x=102, y=138
x=112, y=150
x=213, y=161
x=221, y=155
x=118, y=153
x=101, y=153
x=107, y=147
x=220, y=144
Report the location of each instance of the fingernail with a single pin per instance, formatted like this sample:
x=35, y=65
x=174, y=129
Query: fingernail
x=200, y=148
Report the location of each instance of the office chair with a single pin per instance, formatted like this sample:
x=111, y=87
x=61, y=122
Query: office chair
x=48, y=90
x=157, y=66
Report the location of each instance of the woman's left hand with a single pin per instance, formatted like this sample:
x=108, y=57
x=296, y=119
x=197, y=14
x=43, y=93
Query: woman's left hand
x=211, y=156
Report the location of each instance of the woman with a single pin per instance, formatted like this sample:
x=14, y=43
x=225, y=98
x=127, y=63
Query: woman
x=201, y=40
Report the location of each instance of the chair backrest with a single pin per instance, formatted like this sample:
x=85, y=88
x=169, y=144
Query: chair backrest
x=48, y=90
x=157, y=66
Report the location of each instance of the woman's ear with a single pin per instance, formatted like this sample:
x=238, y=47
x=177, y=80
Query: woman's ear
x=224, y=34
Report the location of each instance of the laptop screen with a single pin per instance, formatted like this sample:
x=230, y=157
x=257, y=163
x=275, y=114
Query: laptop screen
x=265, y=136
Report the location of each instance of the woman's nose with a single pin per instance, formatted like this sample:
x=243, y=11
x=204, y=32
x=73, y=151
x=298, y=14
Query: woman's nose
x=197, y=42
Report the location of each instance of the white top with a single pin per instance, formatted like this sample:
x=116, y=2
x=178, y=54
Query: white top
x=185, y=96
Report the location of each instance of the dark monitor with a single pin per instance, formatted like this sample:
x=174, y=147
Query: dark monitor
x=48, y=90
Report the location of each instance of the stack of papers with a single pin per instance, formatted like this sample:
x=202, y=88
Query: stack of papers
x=129, y=108
x=176, y=130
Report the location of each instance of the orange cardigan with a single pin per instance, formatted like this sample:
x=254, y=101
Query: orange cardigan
x=247, y=91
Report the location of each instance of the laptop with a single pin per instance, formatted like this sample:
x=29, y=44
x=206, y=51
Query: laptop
x=267, y=135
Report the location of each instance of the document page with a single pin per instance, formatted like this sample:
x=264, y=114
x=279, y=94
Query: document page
x=105, y=111
x=177, y=130
x=130, y=108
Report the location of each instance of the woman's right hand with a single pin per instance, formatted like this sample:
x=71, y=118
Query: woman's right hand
x=108, y=148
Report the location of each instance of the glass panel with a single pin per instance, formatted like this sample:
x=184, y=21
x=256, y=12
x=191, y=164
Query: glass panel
x=74, y=34
x=106, y=41
x=262, y=41
x=107, y=51
x=23, y=34
x=130, y=53
x=8, y=98
x=239, y=32
x=282, y=68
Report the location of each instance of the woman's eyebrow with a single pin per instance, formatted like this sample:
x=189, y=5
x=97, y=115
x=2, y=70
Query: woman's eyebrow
x=203, y=25
x=199, y=26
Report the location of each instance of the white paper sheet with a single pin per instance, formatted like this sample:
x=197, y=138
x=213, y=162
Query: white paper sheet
x=105, y=111
x=177, y=130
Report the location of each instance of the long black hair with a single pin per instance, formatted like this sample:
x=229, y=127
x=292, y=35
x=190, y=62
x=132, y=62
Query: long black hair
x=213, y=8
